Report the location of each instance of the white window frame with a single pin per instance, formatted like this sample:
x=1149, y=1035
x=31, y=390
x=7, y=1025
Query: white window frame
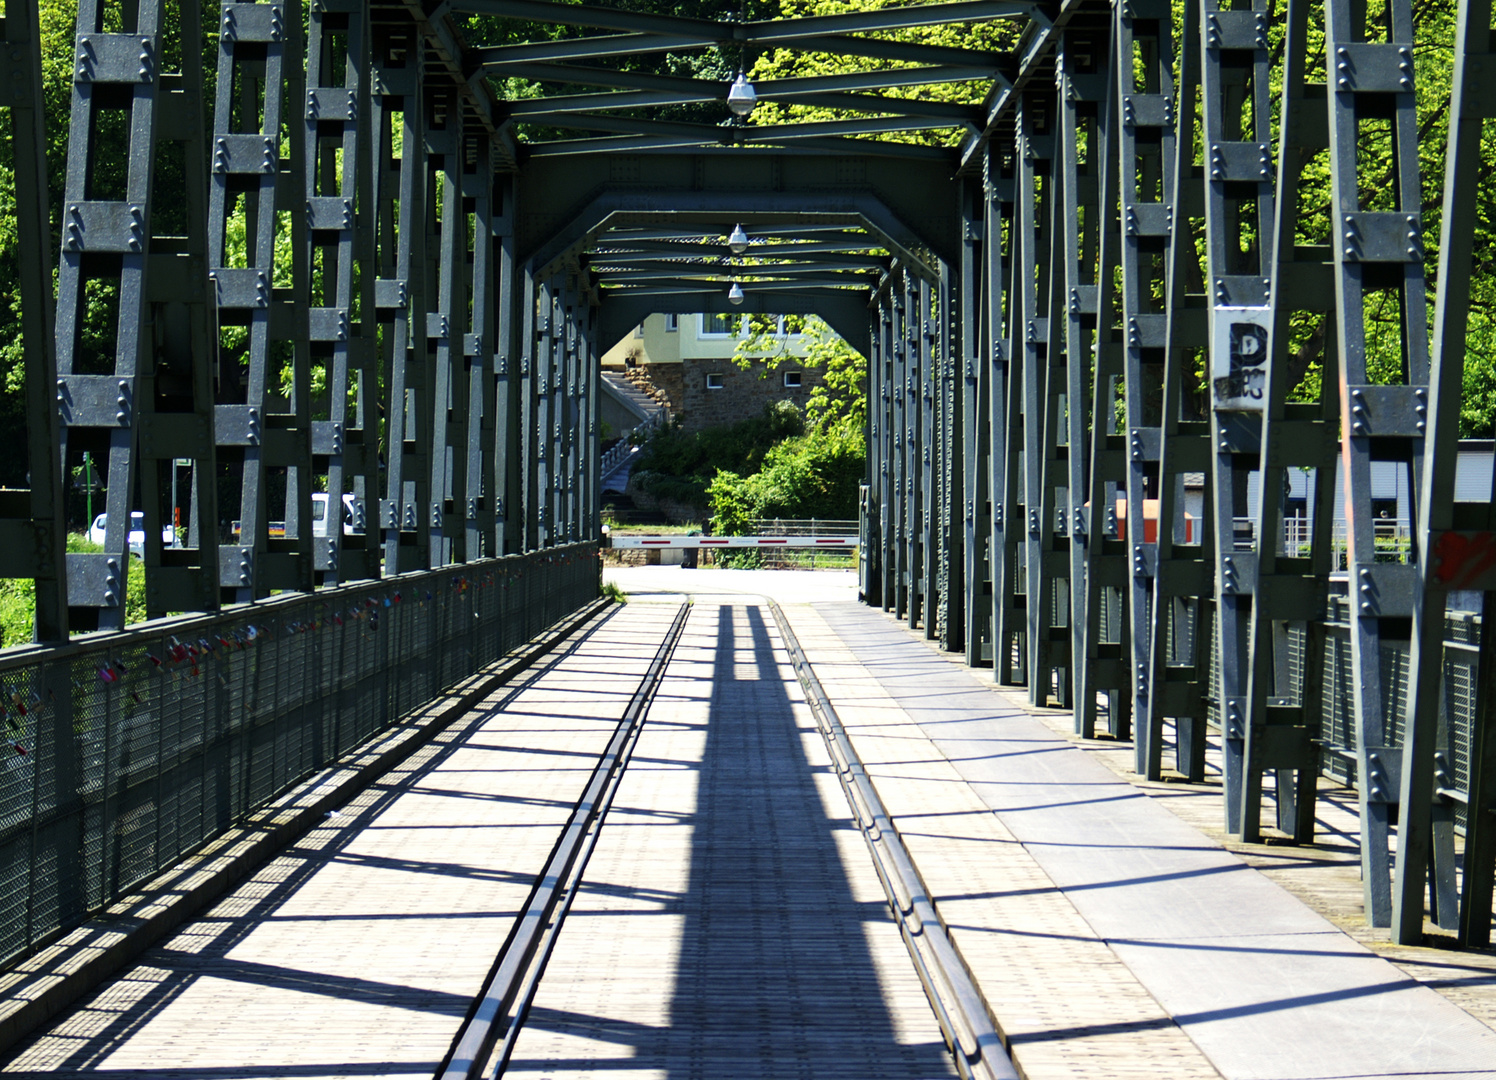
x=672, y=322
x=714, y=380
x=721, y=335
x=797, y=376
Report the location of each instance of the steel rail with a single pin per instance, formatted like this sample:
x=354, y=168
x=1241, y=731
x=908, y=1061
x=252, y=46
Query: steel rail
x=501, y=1005
x=959, y=1007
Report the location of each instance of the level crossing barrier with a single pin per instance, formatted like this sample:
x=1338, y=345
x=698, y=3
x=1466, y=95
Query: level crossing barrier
x=127, y=750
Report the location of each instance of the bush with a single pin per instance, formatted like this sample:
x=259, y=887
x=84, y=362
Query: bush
x=809, y=476
x=680, y=467
x=740, y=447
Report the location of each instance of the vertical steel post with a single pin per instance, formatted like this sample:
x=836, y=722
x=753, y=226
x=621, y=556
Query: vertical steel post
x=39, y=514
x=1105, y=663
x=446, y=327
x=153, y=400
x=1454, y=541
x=402, y=292
x=975, y=382
x=337, y=193
x=478, y=492
x=1032, y=281
x=1376, y=249
x=508, y=490
x=1145, y=70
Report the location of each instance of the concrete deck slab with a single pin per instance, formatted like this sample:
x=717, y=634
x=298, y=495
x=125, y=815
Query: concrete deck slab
x=731, y=925
x=356, y=952
x=1265, y=986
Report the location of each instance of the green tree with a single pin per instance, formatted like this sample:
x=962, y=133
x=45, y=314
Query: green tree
x=809, y=341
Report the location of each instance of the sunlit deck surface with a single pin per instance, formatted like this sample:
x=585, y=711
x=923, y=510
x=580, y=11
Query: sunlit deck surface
x=731, y=923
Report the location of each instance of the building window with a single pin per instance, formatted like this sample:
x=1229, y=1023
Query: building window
x=723, y=325
x=792, y=380
x=639, y=330
x=714, y=380
x=672, y=323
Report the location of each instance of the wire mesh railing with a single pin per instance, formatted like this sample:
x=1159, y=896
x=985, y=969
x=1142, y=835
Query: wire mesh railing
x=1336, y=724
x=130, y=750
x=801, y=527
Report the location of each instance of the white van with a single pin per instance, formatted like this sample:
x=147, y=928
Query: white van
x=136, y=538
x=321, y=526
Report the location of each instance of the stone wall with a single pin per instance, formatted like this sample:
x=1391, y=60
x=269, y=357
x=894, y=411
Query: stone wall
x=743, y=393
x=665, y=378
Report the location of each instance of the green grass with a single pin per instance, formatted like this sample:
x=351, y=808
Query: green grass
x=654, y=530
x=18, y=597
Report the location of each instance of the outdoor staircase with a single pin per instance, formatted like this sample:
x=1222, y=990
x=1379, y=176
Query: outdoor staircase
x=652, y=408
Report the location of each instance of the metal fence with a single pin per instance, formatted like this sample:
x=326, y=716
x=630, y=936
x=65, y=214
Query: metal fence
x=802, y=527
x=1336, y=724
x=128, y=751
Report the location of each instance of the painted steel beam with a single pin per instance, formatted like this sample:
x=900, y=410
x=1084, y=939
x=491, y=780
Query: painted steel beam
x=760, y=32
x=682, y=255
x=1086, y=178
x=117, y=242
x=34, y=521
x=1431, y=796
x=552, y=111
x=1376, y=252
x=850, y=273
x=1182, y=597
x=401, y=199
x=809, y=86
x=496, y=59
x=734, y=141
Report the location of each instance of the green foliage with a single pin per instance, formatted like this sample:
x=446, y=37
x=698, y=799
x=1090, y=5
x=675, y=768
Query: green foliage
x=18, y=597
x=17, y=611
x=842, y=393
x=997, y=36
x=811, y=475
x=680, y=466
x=612, y=592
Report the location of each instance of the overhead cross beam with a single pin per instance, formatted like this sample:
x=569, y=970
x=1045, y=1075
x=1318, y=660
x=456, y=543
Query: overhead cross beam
x=496, y=58
x=677, y=90
x=768, y=31
x=688, y=136
x=554, y=111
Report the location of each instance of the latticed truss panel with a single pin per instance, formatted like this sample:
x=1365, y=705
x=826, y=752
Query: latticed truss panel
x=359, y=268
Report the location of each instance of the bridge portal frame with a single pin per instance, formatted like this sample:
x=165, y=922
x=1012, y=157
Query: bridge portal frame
x=1031, y=302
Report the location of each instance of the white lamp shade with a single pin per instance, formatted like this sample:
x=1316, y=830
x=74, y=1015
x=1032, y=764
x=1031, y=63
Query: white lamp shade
x=741, y=97
x=737, y=243
x=735, y=294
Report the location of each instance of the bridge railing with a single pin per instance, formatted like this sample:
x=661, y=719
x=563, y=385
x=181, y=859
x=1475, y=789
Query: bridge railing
x=1336, y=726
x=126, y=751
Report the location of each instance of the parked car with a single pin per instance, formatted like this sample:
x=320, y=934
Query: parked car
x=136, y=537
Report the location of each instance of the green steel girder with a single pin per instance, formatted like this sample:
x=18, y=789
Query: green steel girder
x=370, y=283
x=810, y=89
x=753, y=32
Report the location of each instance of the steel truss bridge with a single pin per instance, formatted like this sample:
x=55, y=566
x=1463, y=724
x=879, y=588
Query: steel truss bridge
x=344, y=260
